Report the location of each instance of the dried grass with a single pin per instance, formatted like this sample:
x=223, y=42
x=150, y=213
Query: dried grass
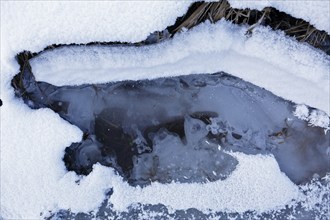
x=214, y=11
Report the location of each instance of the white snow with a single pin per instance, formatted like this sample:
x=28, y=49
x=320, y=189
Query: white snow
x=315, y=117
x=316, y=12
x=301, y=112
x=268, y=59
x=243, y=190
x=33, y=177
x=319, y=118
x=42, y=23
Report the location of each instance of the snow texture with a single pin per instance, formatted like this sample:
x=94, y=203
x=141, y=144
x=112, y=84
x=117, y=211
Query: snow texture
x=316, y=12
x=242, y=190
x=268, y=59
x=301, y=112
x=315, y=117
x=319, y=118
x=39, y=24
x=33, y=176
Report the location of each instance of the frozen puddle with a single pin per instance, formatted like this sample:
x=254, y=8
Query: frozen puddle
x=204, y=141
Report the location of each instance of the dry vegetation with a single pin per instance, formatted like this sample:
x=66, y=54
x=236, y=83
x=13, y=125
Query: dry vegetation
x=214, y=11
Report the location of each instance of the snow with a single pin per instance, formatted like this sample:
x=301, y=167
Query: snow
x=301, y=112
x=268, y=59
x=39, y=24
x=243, y=190
x=33, y=176
x=319, y=118
x=315, y=12
x=315, y=117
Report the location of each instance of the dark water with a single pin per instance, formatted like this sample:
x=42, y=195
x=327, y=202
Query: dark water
x=179, y=128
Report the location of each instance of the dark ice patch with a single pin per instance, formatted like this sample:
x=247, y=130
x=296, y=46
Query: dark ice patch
x=178, y=128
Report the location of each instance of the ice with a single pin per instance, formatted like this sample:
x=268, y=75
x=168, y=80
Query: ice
x=173, y=116
x=171, y=160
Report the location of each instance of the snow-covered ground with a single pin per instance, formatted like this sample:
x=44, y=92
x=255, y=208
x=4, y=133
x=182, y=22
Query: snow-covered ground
x=33, y=176
x=267, y=59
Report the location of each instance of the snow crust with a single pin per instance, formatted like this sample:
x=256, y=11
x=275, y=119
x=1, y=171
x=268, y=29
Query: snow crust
x=315, y=12
x=268, y=59
x=243, y=190
x=33, y=177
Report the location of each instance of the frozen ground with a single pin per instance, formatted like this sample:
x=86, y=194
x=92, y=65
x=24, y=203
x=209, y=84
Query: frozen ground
x=33, y=176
